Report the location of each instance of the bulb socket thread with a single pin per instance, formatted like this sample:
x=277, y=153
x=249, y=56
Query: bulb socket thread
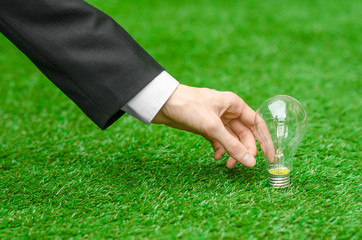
x=280, y=180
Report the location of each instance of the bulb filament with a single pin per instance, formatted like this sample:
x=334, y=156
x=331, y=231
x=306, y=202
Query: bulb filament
x=282, y=132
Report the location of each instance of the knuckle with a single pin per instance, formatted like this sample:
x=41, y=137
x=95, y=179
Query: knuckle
x=230, y=95
x=234, y=98
x=210, y=127
x=234, y=146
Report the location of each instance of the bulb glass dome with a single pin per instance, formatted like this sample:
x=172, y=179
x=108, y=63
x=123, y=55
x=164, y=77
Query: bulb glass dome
x=280, y=123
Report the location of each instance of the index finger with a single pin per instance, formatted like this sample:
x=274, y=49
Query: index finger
x=263, y=135
x=253, y=120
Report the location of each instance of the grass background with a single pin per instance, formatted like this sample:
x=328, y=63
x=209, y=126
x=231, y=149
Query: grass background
x=61, y=177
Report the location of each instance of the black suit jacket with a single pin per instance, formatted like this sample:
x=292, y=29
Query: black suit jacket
x=92, y=59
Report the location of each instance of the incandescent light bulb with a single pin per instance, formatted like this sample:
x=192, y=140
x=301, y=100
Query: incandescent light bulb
x=280, y=123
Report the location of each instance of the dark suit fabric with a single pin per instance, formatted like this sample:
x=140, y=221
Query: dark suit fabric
x=85, y=53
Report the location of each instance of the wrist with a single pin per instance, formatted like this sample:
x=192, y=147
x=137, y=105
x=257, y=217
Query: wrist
x=163, y=115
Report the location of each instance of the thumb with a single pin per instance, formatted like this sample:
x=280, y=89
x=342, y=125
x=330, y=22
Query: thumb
x=233, y=146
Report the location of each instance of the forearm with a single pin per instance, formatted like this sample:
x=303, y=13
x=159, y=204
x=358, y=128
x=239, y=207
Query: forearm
x=92, y=59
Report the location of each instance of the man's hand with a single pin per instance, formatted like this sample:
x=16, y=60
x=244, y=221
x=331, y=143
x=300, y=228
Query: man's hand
x=223, y=118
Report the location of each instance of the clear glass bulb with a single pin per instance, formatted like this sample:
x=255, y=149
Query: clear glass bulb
x=280, y=123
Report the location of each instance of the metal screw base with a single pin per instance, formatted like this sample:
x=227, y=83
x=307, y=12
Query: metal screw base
x=279, y=181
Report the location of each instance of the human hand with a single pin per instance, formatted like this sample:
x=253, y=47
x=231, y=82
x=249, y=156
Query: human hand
x=222, y=118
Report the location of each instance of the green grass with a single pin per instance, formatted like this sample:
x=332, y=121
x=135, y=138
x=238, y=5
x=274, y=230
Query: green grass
x=61, y=177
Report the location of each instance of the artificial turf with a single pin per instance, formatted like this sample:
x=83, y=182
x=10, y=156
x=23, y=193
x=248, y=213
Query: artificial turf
x=62, y=177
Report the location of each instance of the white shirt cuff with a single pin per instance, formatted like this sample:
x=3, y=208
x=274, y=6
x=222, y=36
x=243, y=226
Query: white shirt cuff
x=146, y=104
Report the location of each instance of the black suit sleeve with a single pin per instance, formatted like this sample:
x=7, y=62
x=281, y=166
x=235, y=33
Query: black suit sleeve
x=85, y=53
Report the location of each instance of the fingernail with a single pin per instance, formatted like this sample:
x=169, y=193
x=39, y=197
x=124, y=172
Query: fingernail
x=248, y=160
x=246, y=157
